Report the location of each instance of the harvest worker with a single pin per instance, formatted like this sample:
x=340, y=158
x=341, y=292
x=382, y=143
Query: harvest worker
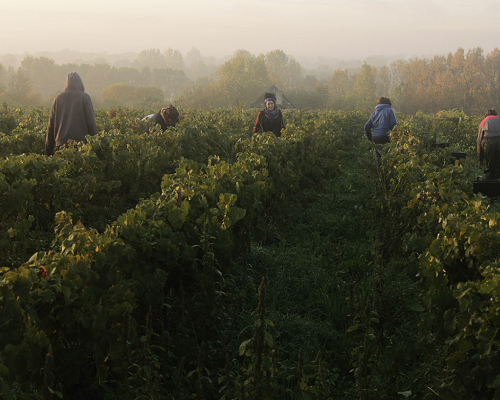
x=270, y=119
x=382, y=121
x=166, y=117
x=488, y=145
x=71, y=116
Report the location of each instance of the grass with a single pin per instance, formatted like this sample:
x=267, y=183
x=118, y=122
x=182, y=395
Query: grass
x=324, y=274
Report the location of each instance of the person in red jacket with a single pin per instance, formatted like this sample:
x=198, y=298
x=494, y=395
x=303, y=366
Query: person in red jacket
x=270, y=119
x=488, y=145
x=71, y=117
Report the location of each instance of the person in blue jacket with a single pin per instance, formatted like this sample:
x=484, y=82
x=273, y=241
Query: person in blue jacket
x=381, y=121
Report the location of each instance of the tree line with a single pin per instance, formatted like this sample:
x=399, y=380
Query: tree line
x=467, y=81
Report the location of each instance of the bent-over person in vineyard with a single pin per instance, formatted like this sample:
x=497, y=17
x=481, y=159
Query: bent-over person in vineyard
x=488, y=145
x=167, y=117
x=71, y=117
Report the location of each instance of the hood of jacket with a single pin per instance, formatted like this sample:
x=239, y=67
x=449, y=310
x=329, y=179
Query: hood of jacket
x=382, y=106
x=74, y=82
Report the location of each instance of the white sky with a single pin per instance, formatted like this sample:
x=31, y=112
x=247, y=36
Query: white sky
x=302, y=28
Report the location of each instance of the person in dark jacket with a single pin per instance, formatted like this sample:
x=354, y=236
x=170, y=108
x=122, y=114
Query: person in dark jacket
x=270, y=119
x=71, y=117
x=488, y=145
x=381, y=121
x=166, y=117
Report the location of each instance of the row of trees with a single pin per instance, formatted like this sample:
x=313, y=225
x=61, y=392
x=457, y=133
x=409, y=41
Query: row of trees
x=468, y=81
x=38, y=80
x=150, y=83
x=243, y=78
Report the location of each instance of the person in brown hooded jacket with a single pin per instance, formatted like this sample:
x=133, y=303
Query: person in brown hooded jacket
x=71, y=116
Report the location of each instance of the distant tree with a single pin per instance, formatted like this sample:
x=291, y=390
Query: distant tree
x=339, y=85
x=203, y=81
x=20, y=90
x=397, y=78
x=200, y=69
x=46, y=76
x=241, y=79
x=383, y=80
x=492, y=78
x=101, y=60
x=310, y=97
x=151, y=58
x=9, y=60
x=472, y=82
x=414, y=88
x=199, y=96
x=125, y=95
x=146, y=76
x=97, y=77
x=312, y=94
x=20, y=84
x=309, y=82
x=118, y=94
x=174, y=59
x=171, y=82
x=122, y=63
x=128, y=75
x=365, y=88
x=460, y=80
x=457, y=61
x=148, y=97
x=377, y=61
x=284, y=72
x=193, y=56
x=323, y=72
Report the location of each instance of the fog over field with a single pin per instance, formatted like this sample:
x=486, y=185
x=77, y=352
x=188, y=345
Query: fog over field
x=312, y=31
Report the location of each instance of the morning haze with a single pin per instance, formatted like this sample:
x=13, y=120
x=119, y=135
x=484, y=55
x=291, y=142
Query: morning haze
x=200, y=54
x=327, y=29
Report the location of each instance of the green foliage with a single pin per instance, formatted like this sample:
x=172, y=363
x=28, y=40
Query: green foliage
x=429, y=209
x=202, y=220
x=143, y=250
x=7, y=120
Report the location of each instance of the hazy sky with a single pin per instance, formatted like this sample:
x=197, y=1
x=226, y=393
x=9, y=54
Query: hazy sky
x=329, y=28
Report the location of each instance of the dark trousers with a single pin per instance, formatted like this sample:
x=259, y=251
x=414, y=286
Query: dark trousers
x=381, y=139
x=490, y=147
x=376, y=153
